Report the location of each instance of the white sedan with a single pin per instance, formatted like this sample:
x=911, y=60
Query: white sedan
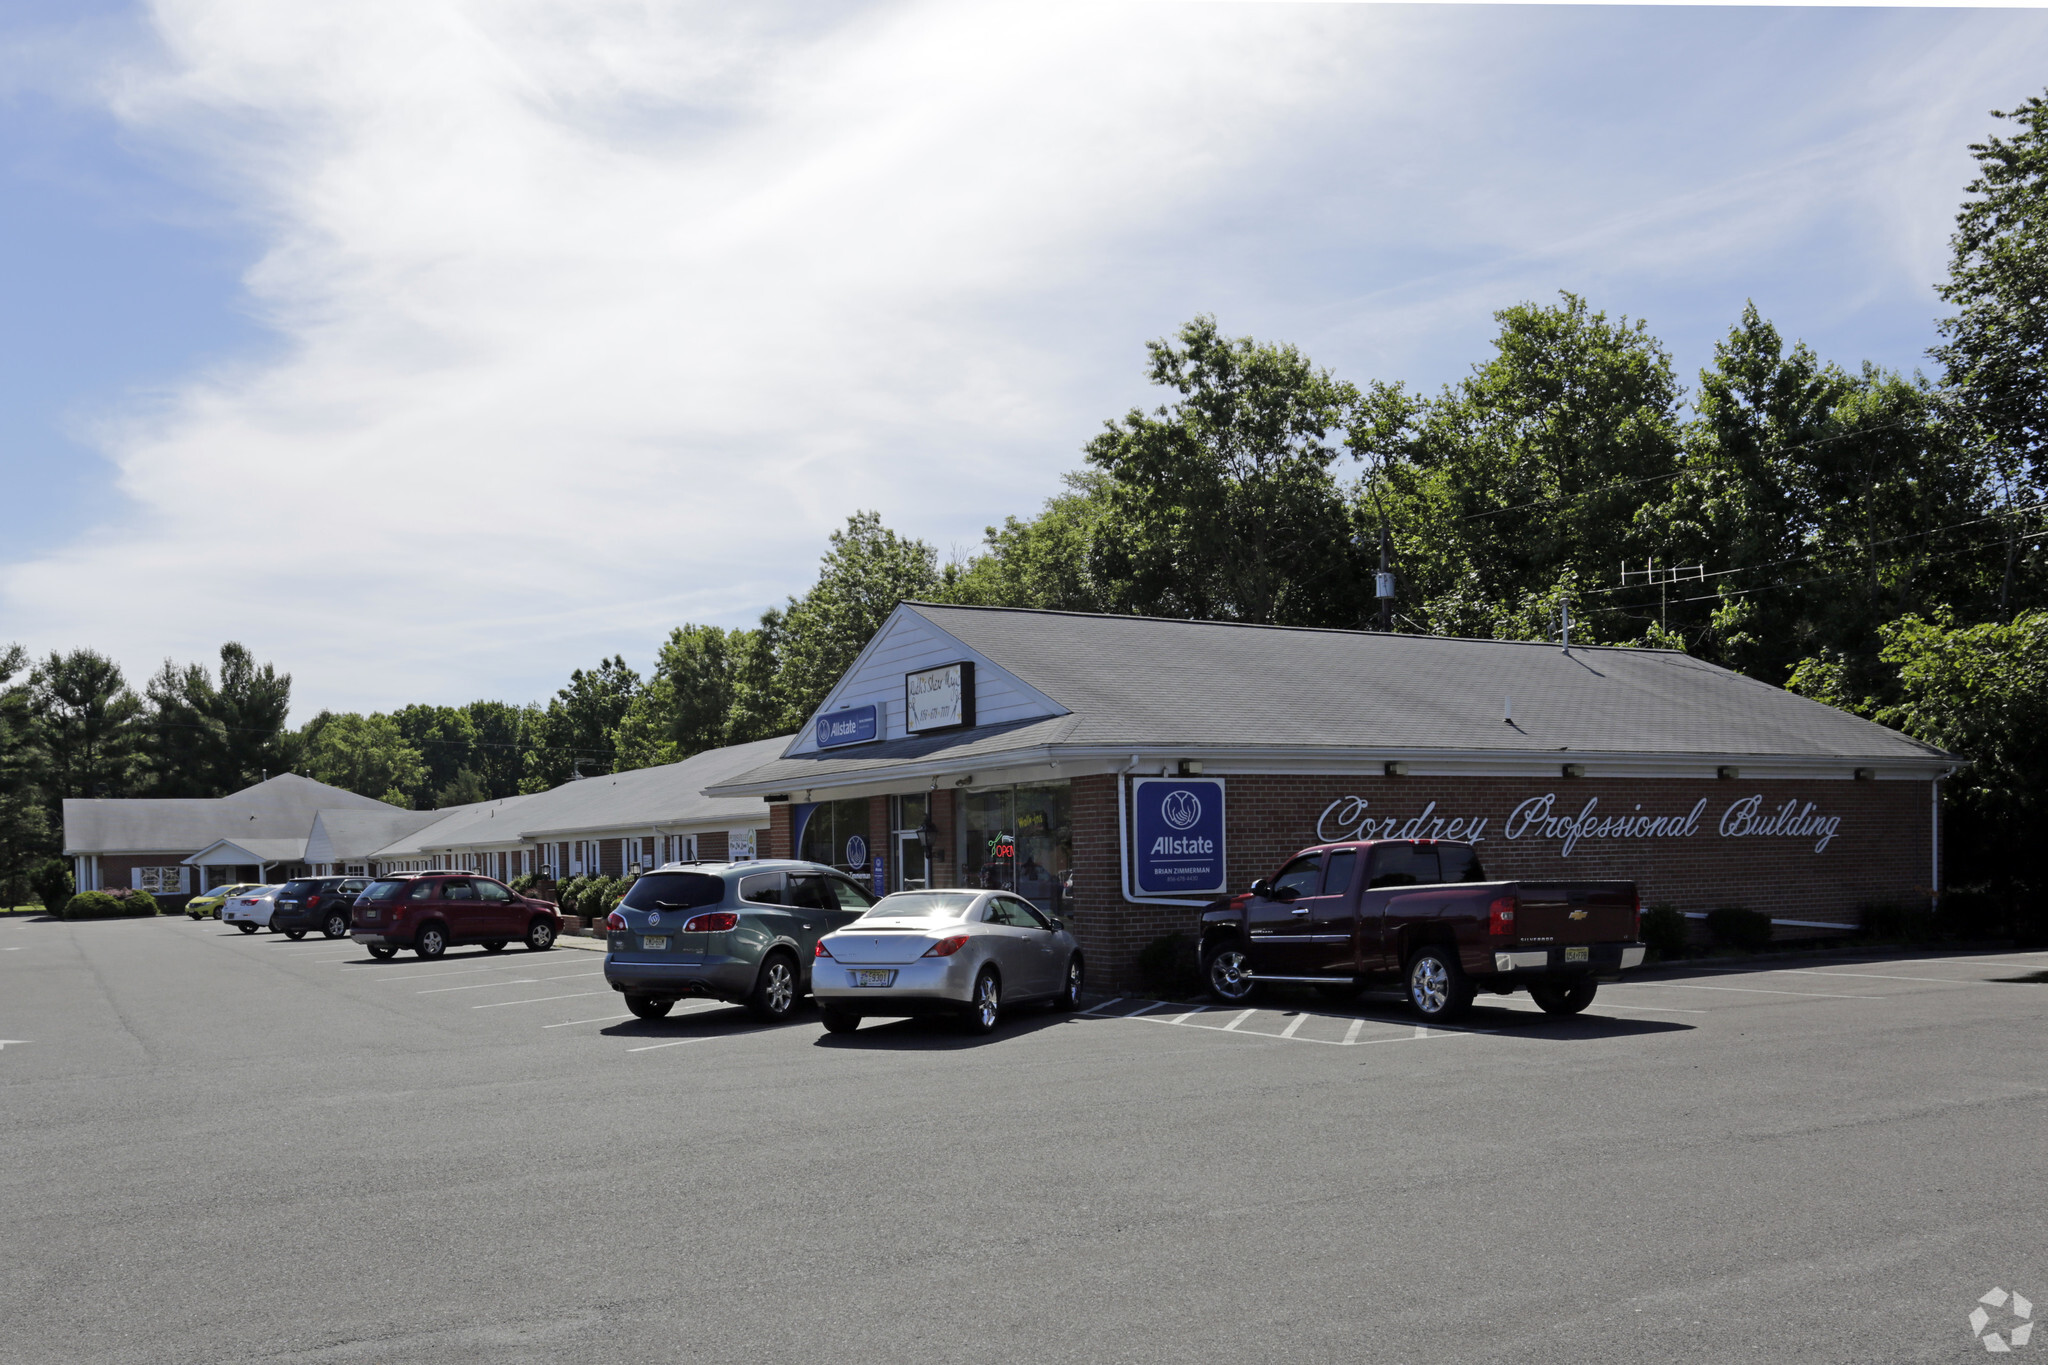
x=966, y=953
x=250, y=911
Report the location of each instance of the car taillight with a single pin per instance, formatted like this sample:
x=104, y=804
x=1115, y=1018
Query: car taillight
x=616, y=921
x=312, y=902
x=947, y=946
x=715, y=923
x=821, y=950
x=1500, y=917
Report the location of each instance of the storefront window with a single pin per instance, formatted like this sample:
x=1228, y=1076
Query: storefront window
x=836, y=833
x=1022, y=839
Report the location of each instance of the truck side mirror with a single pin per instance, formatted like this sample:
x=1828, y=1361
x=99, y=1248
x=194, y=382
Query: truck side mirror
x=1262, y=887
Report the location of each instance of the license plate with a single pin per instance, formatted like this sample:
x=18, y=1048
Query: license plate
x=1578, y=955
x=654, y=942
x=873, y=978
x=369, y=914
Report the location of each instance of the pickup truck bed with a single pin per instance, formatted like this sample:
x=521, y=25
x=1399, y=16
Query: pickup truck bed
x=1419, y=912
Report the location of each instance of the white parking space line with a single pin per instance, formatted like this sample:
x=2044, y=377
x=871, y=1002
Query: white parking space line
x=680, y=1042
x=604, y=1019
x=1231, y=1027
x=1880, y=976
x=1143, y=1009
x=508, y=981
x=1351, y=1034
x=1189, y=1015
x=1738, y=990
x=1104, y=1005
x=464, y=971
x=1299, y=1020
x=542, y=1000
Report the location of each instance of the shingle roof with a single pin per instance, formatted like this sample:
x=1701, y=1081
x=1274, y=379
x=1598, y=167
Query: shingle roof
x=281, y=808
x=353, y=836
x=481, y=822
x=1199, y=685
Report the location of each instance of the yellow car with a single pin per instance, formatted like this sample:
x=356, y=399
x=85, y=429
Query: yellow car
x=209, y=902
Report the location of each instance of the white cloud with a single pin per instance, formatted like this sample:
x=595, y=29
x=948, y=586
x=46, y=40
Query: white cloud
x=597, y=315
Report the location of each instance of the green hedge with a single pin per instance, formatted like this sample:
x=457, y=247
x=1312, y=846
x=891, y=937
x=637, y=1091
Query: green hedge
x=1734, y=927
x=51, y=881
x=109, y=905
x=1665, y=932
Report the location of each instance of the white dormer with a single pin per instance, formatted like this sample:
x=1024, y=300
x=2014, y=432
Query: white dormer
x=909, y=643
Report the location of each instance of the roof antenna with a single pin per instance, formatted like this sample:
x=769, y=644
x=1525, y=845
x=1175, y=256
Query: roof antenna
x=1564, y=617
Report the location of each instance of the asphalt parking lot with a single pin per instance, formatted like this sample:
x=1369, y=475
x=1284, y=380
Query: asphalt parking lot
x=233, y=1148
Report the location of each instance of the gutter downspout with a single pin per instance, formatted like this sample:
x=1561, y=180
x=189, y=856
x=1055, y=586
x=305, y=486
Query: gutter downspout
x=1123, y=848
x=1934, y=789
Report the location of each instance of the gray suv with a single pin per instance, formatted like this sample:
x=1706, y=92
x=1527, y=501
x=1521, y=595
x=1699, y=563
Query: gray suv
x=744, y=932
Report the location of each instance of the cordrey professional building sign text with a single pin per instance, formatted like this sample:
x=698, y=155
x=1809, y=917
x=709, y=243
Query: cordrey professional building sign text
x=1542, y=817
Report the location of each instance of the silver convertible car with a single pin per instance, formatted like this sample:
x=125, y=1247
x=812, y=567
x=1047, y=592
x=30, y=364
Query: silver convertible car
x=966, y=953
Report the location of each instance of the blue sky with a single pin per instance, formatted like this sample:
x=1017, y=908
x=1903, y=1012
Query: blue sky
x=575, y=321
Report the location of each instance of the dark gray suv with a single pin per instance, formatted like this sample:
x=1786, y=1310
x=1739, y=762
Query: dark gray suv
x=744, y=932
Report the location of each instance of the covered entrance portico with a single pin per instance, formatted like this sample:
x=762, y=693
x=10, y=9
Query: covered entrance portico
x=226, y=862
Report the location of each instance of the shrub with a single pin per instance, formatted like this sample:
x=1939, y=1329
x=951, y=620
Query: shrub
x=1905, y=923
x=1665, y=931
x=51, y=881
x=1167, y=967
x=570, y=895
x=1734, y=927
x=108, y=905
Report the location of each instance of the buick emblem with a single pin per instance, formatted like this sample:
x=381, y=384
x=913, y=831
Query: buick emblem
x=654, y=919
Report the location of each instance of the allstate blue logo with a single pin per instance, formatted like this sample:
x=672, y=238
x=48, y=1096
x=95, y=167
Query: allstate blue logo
x=1180, y=809
x=856, y=852
x=824, y=732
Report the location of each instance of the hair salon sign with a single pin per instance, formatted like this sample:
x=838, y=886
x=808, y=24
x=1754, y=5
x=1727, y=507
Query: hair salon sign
x=1542, y=818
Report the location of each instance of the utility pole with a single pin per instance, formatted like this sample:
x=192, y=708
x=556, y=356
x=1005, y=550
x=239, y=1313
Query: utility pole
x=1383, y=581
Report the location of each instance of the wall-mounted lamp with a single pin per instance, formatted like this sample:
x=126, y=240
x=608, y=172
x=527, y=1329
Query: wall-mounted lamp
x=1397, y=769
x=1866, y=774
x=1574, y=770
x=1727, y=774
x=1191, y=767
x=779, y=796
x=964, y=780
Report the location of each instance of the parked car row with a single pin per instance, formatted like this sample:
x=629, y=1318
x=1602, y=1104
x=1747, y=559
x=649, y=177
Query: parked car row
x=1416, y=912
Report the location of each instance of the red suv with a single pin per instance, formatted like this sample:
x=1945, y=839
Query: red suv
x=427, y=912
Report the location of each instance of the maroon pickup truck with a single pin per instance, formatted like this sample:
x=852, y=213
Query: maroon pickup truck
x=1342, y=916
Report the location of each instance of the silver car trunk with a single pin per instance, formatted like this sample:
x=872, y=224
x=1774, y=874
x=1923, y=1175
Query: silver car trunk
x=867, y=945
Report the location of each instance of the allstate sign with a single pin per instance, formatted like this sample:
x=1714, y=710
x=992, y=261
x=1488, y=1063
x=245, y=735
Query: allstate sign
x=854, y=725
x=1177, y=830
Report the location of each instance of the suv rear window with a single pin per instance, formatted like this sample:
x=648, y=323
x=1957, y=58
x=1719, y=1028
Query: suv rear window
x=674, y=891
x=381, y=892
x=298, y=888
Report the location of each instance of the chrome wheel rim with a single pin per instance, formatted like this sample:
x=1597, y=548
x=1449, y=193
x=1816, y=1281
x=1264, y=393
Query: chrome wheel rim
x=1230, y=974
x=542, y=936
x=1430, y=985
x=431, y=941
x=336, y=927
x=987, y=1002
x=781, y=987
x=1073, y=982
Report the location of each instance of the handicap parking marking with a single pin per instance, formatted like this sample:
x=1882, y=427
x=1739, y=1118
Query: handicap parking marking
x=1293, y=1032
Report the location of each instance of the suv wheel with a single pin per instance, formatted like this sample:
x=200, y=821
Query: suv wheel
x=295, y=934
x=774, y=994
x=985, y=1006
x=646, y=1007
x=336, y=926
x=1228, y=972
x=431, y=941
x=383, y=952
x=540, y=936
x=1069, y=997
x=1437, y=985
x=1563, y=999
x=494, y=945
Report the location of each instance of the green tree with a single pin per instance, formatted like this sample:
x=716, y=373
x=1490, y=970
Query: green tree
x=1995, y=347
x=253, y=704
x=1042, y=562
x=204, y=739
x=1222, y=505
x=579, y=729
x=1518, y=487
x=866, y=571
x=687, y=706
x=24, y=823
x=445, y=739
x=365, y=754
x=90, y=725
x=503, y=735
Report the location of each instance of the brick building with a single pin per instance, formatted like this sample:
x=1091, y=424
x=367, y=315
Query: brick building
x=1079, y=759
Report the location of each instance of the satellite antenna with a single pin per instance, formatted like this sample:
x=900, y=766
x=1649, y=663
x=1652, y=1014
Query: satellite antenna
x=1663, y=575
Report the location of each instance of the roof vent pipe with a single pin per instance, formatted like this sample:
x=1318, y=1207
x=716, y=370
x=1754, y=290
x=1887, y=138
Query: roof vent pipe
x=1507, y=708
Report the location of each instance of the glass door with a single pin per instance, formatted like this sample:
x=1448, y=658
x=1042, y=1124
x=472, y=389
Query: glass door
x=911, y=872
